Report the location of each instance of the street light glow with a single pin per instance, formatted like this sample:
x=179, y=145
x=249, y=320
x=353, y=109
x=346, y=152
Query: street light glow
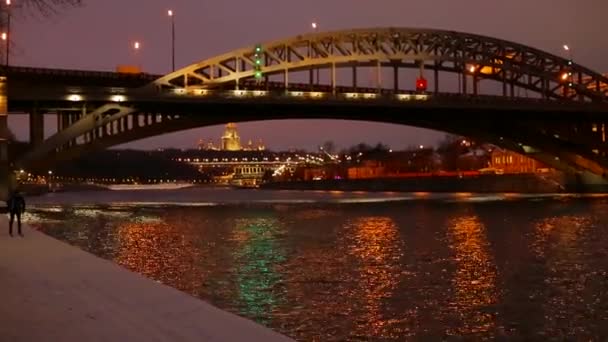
x=566, y=47
x=472, y=68
x=136, y=45
x=170, y=13
x=4, y=35
x=314, y=25
x=8, y=2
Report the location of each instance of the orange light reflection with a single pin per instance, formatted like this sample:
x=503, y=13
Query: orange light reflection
x=475, y=277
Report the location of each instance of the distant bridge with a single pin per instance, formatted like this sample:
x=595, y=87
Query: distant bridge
x=414, y=72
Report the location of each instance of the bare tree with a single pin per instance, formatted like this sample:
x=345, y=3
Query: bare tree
x=329, y=146
x=44, y=7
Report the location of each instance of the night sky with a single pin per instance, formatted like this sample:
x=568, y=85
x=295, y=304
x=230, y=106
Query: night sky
x=98, y=36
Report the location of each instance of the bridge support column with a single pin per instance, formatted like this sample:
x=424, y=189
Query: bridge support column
x=464, y=81
x=396, y=78
x=36, y=127
x=475, y=83
x=333, y=78
x=436, y=76
x=7, y=183
x=379, y=76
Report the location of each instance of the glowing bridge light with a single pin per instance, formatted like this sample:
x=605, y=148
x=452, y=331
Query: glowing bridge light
x=75, y=98
x=260, y=93
x=369, y=96
x=472, y=69
x=296, y=93
x=118, y=98
x=564, y=76
x=179, y=91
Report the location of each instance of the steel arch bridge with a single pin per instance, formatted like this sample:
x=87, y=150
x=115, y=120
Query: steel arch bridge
x=563, y=124
x=513, y=65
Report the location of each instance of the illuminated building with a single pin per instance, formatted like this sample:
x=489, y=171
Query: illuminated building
x=511, y=162
x=231, y=141
x=245, y=167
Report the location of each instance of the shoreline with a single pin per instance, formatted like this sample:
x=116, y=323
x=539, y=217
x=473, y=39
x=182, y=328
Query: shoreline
x=513, y=183
x=481, y=184
x=59, y=292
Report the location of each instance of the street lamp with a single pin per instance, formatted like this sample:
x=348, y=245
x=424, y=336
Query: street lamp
x=568, y=76
x=314, y=28
x=170, y=14
x=568, y=53
x=8, y=29
x=136, y=47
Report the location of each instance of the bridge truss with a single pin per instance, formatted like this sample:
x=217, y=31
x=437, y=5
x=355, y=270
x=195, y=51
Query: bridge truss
x=471, y=56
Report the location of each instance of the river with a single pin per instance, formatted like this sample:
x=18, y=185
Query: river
x=335, y=266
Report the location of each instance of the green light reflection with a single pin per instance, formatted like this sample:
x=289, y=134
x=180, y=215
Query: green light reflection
x=259, y=257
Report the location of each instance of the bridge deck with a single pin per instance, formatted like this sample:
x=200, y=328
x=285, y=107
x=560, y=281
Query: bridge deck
x=55, y=292
x=67, y=77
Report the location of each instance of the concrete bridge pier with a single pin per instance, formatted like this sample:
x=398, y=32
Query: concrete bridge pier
x=36, y=127
x=7, y=181
x=585, y=181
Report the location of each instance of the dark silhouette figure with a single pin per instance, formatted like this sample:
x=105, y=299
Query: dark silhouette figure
x=16, y=206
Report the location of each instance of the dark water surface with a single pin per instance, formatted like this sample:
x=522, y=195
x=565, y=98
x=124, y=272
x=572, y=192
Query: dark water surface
x=335, y=267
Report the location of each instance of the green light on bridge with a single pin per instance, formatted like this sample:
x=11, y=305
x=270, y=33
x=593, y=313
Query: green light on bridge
x=258, y=62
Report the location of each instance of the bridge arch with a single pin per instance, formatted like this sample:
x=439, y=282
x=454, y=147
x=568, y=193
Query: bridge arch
x=473, y=56
x=514, y=132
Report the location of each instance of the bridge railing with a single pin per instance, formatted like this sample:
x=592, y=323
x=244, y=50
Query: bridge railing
x=363, y=95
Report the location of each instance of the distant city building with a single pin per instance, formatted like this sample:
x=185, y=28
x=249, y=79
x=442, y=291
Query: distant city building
x=230, y=141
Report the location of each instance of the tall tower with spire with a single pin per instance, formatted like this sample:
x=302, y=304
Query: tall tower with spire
x=231, y=140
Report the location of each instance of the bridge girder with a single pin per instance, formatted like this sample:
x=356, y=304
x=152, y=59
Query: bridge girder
x=511, y=63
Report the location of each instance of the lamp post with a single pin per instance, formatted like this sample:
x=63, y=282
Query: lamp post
x=569, y=77
x=568, y=52
x=136, y=47
x=8, y=30
x=170, y=14
x=314, y=29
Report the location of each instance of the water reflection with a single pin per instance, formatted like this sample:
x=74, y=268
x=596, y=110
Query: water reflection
x=160, y=251
x=377, y=247
x=419, y=270
x=475, y=277
x=556, y=243
x=258, y=257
